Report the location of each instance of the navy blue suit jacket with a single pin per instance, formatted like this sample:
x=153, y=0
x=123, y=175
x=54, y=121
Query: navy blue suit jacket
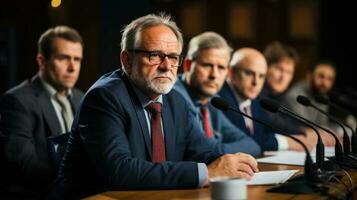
x=263, y=135
x=110, y=146
x=228, y=138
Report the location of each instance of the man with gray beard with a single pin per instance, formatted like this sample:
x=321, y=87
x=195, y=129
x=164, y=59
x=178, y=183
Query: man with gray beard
x=133, y=132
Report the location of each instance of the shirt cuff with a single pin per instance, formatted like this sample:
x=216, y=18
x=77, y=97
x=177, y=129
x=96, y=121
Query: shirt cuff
x=282, y=142
x=202, y=174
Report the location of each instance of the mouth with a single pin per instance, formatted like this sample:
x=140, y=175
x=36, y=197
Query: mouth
x=163, y=78
x=211, y=84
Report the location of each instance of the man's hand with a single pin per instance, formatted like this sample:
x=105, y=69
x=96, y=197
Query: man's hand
x=235, y=165
x=327, y=139
x=309, y=140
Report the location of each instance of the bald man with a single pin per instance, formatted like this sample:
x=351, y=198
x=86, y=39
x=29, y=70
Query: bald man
x=248, y=69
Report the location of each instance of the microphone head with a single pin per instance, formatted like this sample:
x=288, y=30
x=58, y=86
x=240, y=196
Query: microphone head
x=303, y=100
x=220, y=103
x=269, y=105
x=323, y=99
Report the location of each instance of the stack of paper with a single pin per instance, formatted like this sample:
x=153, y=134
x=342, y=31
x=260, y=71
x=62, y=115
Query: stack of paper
x=271, y=177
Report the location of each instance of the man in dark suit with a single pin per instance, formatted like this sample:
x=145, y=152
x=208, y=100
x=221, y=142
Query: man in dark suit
x=205, y=70
x=32, y=111
x=282, y=61
x=246, y=79
x=133, y=132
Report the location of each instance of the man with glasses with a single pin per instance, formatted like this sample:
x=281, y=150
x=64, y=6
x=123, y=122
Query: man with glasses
x=205, y=70
x=133, y=132
x=245, y=81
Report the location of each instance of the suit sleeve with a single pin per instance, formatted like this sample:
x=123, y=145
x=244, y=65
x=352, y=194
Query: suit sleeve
x=234, y=139
x=17, y=125
x=105, y=125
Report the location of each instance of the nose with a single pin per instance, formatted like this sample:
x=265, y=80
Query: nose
x=165, y=65
x=214, y=72
x=254, y=80
x=71, y=65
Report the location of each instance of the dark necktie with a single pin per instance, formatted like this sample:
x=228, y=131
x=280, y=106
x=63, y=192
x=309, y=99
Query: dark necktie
x=157, y=138
x=249, y=122
x=206, y=123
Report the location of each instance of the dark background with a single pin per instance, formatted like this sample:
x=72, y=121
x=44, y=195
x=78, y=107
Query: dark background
x=316, y=28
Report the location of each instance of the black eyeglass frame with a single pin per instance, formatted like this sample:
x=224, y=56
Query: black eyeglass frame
x=161, y=55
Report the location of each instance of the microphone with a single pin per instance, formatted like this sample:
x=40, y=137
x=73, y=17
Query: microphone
x=324, y=99
x=310, y=174
x=346, y=140
x=274, y=107
x=340, y=158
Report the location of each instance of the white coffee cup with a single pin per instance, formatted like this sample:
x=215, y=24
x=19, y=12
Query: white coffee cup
x=228, y=188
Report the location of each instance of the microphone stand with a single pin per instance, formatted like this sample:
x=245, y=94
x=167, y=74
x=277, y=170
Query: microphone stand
x=305, y=184
x=346, y=139
x=320, y=147
x=340, y=158
x=326, y=101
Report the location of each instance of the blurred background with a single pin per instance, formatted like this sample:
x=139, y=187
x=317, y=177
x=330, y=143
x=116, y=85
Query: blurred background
x=315, y=28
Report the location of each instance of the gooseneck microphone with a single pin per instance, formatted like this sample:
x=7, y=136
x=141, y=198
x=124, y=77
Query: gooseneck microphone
x=324, y=99
x=310, y=174
x=274, y=107
x=341, y=159
x=346, y=140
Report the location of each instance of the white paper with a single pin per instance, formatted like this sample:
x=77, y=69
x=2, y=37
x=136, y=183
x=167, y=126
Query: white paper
x=286, y=159
x=292, y=157
x=271, y=177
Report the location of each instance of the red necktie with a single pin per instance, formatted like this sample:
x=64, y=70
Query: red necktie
x=206, y=123
x=157, y=138
x=249, y=122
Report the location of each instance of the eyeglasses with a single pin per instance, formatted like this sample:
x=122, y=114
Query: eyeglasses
x=157, y=57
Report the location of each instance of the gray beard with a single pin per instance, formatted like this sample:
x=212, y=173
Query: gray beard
x=151, y=86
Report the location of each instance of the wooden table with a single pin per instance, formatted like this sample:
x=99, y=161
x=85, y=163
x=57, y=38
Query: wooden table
x=254, y=192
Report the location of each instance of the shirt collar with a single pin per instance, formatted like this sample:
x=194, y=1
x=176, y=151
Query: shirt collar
x=194, y=98
x=243, y=102
x=50, y=89
x=144, y=99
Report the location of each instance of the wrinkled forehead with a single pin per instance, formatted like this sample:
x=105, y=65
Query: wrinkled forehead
x=161, y=45
x=158, y=38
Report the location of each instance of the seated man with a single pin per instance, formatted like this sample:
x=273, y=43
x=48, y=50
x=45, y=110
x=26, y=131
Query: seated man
x=245, y=81
x=36, y=109
x=320, y=83
x=133, y=132
x=282, y=62
x=205, y=69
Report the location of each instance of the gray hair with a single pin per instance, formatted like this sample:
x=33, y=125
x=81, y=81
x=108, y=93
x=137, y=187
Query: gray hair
x=206, y=40
x=131, y=31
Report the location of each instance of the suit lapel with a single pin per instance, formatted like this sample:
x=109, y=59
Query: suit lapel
x=255, y=110
x=75, y=100
x=139, y=111
x=48, y=112
x=169, y=130
x=231, y=98
x=144, y=128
